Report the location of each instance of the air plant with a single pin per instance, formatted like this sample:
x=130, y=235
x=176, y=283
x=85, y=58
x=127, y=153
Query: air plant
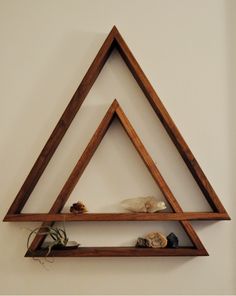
x=58, y=235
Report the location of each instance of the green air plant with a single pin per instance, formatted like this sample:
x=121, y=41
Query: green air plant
x=58, y=235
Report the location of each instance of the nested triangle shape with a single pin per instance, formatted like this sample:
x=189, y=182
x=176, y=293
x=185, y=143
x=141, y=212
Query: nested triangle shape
x=115, y=40
x=116, y=111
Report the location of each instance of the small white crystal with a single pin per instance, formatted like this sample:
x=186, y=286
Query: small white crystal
x=148, y=204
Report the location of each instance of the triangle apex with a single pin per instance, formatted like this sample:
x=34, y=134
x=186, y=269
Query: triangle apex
x=114, y=30
x=115, y=103
x=114, y=27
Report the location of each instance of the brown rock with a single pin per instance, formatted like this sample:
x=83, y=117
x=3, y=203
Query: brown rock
x=156, y=240
x=78, y=208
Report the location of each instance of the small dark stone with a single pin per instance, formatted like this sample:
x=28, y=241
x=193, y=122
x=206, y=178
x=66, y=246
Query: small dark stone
x=142, y=243
x=172, y=241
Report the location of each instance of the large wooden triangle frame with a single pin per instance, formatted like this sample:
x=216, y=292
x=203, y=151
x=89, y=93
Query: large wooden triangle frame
x=115, y=40
x=116, y=111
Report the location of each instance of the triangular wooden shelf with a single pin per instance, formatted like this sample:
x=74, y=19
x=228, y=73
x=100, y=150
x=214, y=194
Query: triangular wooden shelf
x=116, y=111
x=114, y=40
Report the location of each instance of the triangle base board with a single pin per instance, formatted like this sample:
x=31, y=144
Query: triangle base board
x=118, y=252
x=161, y=216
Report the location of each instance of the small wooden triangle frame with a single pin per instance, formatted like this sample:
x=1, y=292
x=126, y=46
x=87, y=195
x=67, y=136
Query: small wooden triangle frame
x=116, y=111
x=115, y=40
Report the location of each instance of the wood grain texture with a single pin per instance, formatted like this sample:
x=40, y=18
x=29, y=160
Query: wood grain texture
x=118, y=252
x=147, y=159
x=193, y=236
x=115, y=111
x=63, y=125
x=115, y=40
x=162, y=216
x=78, y=170
x=169, y=125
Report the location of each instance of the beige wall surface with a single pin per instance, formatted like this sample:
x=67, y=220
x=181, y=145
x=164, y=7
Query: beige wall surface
x=187, y=50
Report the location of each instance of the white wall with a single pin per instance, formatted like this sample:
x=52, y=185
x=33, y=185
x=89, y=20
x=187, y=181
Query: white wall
x=187, y=50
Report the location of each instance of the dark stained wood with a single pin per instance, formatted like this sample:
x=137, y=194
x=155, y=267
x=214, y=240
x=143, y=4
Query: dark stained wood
x=115, y=40
x=157, y=177
x=161, y=216
x=115, y=110
x=78, y=170
x=118, y=252
x=148, y=160
x=193, y=235
x=169, y=125
x=62, y=125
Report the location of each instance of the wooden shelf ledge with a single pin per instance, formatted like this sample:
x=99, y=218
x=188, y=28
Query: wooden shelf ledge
x=42, y=217
x=118, y=252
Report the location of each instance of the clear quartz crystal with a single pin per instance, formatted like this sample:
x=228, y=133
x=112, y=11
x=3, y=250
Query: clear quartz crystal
x=148, y=204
